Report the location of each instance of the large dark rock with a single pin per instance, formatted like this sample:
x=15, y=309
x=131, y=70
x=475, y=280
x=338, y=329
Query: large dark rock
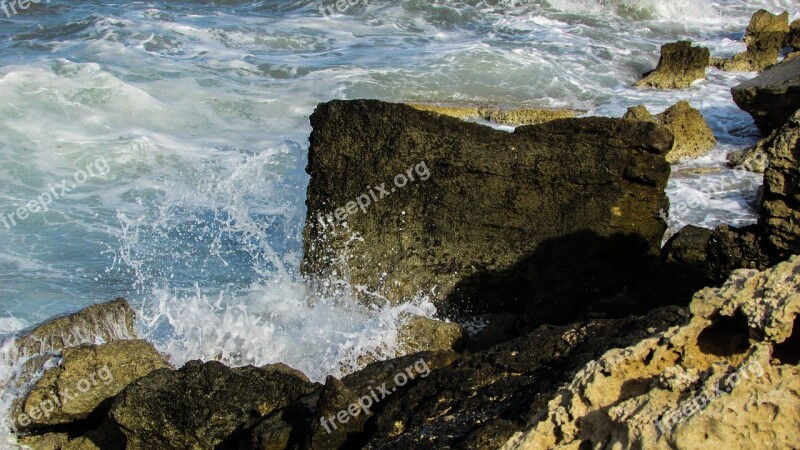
x=202, y=405
x=483, y=200
x=793, y=38
x=772, y=97
x=680, y=66
x=780, y=209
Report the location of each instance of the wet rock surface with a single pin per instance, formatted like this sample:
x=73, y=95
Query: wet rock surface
x=681, y=64
x=490, y=200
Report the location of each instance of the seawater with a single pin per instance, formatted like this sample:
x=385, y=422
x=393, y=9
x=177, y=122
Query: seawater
x=201, y=111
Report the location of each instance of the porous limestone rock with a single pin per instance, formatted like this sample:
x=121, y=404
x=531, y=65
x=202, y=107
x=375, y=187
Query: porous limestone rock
x=87, y=377
x=765, y=37
x=727, y=379
x=780, y=209
x=680, y=66
x=201, y=405
x=693, y=136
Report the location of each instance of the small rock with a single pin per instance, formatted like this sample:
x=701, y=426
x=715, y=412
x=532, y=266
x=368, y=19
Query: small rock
x=680, y=66
x=753, y=159
x=693, y=136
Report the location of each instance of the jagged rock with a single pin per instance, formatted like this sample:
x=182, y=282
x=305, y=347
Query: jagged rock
x=481, y=399
x=483, y=199
x=728, y=378
x=418, y=334
x=507, y=116
x=201, y=405
x=793, y=38
x=772, y=97
x=87, y=379
x=780, y=209
x=680, y=66
x=103, y=322
x=693, y=136
x=765, y=37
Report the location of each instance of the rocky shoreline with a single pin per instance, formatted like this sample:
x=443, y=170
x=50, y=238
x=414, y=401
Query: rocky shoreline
x=594, y=336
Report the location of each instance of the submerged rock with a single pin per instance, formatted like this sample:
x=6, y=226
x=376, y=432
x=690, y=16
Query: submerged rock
x=680, y=66
x=88, y=377
x=765, y=37
x=728, y=378
x=780, y=209
x=457, y=201
x=772, y=97
x=693, y=136
x=201, y=405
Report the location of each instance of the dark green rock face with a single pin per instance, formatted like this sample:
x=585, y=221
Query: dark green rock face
x=482, y=201
x=202, y=405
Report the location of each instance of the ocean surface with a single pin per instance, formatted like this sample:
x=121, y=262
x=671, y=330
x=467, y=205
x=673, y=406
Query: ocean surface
x=156, y=150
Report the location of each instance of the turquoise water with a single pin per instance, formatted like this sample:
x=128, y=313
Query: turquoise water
x=200, y=111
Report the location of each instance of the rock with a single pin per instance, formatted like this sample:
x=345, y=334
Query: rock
x=793, y=38
x=88, y=378
x=640, y=113
x=201, y=405
x=728, y=378
x=753, y=159
x=482, y=399
x=780, y=208
x=482, y=200
x=103, y=322
x=507, y=116
x=710, y=256
x=765, y=38
x=338, y=414
x=680, y=66
x=418, y=334
x=693, y=136
x=772, y=97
